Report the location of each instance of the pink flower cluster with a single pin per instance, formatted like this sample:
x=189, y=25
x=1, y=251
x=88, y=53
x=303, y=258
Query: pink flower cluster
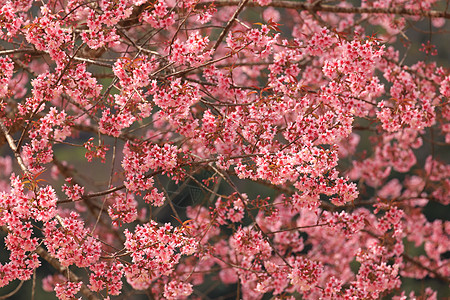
x=123, y=210
x=94, y=151
x=111, y=280
x=67, y=290
x=305, y=274
x=374, y=274
x=101, y=22
x=73, y=192
x=142, y=158
x=177, y=290
x=310, y=153
x=9, y=20
x=51, y=127
x=17, y=209
x=155, y=251
x=47, y=34
x=192, y=52
x=6, y=67
x=231, y=209
x=70, y=242
x=160, y=16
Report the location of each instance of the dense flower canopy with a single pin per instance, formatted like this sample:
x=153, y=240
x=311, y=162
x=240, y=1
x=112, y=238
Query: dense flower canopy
x=244, y=149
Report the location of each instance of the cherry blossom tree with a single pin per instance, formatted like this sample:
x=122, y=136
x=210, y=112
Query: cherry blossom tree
x=273, y=148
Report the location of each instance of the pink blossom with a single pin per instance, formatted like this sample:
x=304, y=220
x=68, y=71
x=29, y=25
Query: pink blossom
x=277, y=146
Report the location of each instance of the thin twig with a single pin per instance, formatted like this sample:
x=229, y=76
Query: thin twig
x=12, y=293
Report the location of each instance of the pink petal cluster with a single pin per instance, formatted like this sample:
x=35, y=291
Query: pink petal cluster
x=245, y=149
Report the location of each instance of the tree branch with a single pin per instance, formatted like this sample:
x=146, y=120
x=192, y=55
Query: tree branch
x=429, y=270
x=316, y=7
x=230, y=22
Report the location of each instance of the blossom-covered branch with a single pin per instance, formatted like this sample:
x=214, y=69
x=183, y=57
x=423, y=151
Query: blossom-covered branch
x=244, y=149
